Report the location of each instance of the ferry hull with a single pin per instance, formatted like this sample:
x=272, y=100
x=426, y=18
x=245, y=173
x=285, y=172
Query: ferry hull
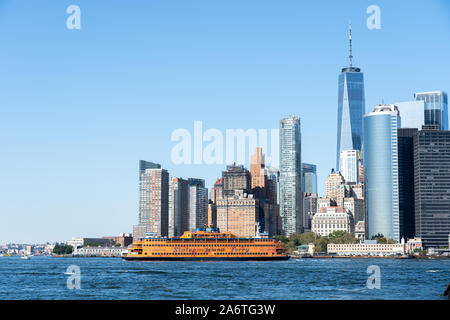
x=207, y=258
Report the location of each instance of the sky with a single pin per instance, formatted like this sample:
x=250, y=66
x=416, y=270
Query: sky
x=80, y=107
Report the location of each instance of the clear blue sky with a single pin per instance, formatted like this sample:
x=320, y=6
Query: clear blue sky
x=79, y=108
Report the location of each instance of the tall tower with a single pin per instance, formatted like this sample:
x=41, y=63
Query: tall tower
x=257, y=169
x=351, y=107
x=436, y=107
x=153, y=200
x=291, y=201
x=381, y=171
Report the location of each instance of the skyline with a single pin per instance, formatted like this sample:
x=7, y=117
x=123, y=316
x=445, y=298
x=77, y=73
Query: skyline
x=93, y=110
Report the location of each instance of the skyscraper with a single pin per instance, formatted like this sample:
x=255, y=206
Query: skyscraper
x=381, y=171
x=432, y=185
x=291, y=201
x=236, y=177
x=178, y=206
x=349, y=165
x=436, y=107
x=153, y=200
x=198, y=204
x=309, y=181
x=257, y=169
x=336, y=188
x=351, y=108
x=406, y=180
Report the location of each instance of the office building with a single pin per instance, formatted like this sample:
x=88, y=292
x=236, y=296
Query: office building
x=436, y=108
x=178, y=206
x=432, y=186
x=349, y=165
x=198, y=204
x=336, y=188
x=309, y=181
x=153, y=200
x=381, y=171
x=290, y=175
x=235, y=177
x=351, y=108
x=405, y=138
x=257, y=169
x=273, y=181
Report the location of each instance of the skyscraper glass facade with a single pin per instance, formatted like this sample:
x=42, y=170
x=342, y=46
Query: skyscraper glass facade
x=351, y=108
x=290, y=175
x=436, y=107
x=309, y=181
x=381, y=171
x=349, y=165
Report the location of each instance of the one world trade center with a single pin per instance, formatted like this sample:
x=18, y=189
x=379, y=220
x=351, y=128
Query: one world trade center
x=351, y=108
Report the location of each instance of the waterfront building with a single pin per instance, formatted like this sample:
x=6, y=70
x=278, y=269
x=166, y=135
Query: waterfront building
x=290, y=175
x=349, y=165
x=331, y=219
x=432, y=185
x=153, y=200
x=178, y=206
x=99, y=252
x=309, y=181
x=198, y=204
x=412, y=113
x=336, y=188
x=235, y=177
x=374, y=248
x=351, y=107
x=436, y=107
x=239, y=214
x=381, y=171
x=406, y=181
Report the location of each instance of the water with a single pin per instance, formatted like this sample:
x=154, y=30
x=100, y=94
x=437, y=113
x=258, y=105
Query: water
x=114, y=278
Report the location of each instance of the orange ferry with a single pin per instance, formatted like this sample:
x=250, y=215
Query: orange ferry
x=206, y=244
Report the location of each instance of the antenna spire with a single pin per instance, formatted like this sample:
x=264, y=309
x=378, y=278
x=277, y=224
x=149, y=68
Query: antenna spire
x=350, y=40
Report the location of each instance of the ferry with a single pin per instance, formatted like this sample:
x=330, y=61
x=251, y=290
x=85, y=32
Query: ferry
x=206, y=244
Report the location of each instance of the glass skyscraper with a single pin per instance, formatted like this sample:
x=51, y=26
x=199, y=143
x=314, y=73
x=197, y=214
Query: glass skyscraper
x=290, y=175
x=309, y=181
x=436, y=107
x=351, y=108
x=381, y=171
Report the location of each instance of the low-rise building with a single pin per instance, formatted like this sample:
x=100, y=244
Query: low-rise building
x=372, y=247
x=331, y=219
x=99, y=252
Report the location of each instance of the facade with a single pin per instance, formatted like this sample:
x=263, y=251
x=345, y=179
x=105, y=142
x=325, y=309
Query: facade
x=235, y=177
x=309, y=210
x=331, y=219
x=356, y=208
x=368, y=248
x=436, y=108
x=238, y=214
x=290, y=175
x=324, y=203
x=351, y=108
x=431, y=186
x=124, y=240
x=309, y=181
x=178, y=206
x=216, y=191
x=257, y=169
x=198, y=204
x=153, y=200
x=212, y=215
x=360, y=230
x=335, y=187
x=99, y=252
x=349, y=165
x=406, y=181
x=412, y=113
x=273, y=181
x=381, y=171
